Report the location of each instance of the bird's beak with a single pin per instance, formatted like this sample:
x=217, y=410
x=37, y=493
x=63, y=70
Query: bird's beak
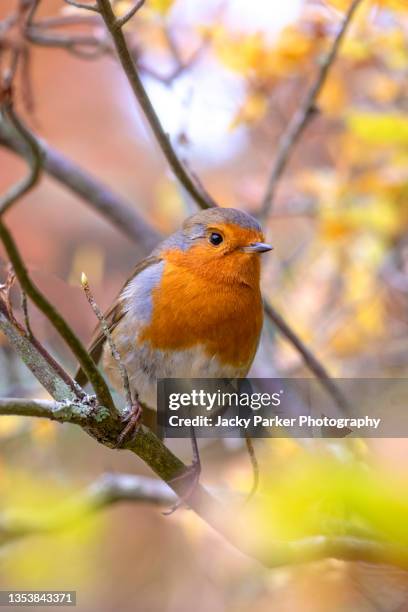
x=257, y=247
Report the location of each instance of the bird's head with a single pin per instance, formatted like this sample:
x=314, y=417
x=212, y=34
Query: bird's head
x=221, y=243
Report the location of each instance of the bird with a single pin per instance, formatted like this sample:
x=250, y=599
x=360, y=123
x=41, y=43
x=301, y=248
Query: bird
x=191, y=309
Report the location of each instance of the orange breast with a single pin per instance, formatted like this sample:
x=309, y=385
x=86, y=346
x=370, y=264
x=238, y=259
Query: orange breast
x=189, y=309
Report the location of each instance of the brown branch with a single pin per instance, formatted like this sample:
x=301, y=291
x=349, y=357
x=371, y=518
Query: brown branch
x=303, y=115
x=197, y=192
x=54, y=378
x=85, y=46
x=37, y=360
x=63, y=411
x=107, y=490
x=110, y=489
x=34, y=158
x=121, y=21
x=83, y=5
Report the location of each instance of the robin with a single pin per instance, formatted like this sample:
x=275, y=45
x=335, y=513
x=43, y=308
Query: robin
x=191, y=309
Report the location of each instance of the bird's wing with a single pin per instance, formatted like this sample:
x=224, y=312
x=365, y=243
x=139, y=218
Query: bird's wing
x=112, y=317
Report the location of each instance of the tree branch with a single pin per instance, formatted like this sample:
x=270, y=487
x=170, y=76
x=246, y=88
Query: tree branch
x=110, y=489
x=196, y=191
x=35, y=361
x=34, y=158
x=44, y=367
x=85, y=46
x=303, y=115
x=107, y=490
x=67, y=411
x=121, y=21
x=83, y=5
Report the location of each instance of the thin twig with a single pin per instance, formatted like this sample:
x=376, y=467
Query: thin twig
x=109, y=339
x=34, y=158
x=303, y=115
x=83, y=5
x=121, y=21
x=85, y=46
x=197, y=192
x=24, y=308
x=65, y=21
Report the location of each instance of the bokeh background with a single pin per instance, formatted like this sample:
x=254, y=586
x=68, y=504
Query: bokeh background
x=225, y=77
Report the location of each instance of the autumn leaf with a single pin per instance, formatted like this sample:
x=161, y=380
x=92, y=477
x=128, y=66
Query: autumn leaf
x=379, y=128
x=161, y=6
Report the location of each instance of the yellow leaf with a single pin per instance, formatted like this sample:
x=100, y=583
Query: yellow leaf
x=379, y=216
x=253, y=109
x=161, y=6
x=398, y=5
x=239, y=53
x=379, y=128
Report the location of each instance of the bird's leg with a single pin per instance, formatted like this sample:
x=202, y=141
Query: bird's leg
x=190, y=475
x=132, y=421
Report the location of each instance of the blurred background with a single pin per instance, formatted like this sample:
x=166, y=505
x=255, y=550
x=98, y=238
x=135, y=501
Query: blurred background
x=225, y=77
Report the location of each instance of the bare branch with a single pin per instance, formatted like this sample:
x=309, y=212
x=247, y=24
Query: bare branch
x=85, y=46
x=112, y=206
x=113, y=488
x=64, y=411
x=34, y=158
x=303, y=114
x=36, y=361
x=121, y=21
x=106, y=491
x=44, y=367
x=196, y=191
x=83, y=5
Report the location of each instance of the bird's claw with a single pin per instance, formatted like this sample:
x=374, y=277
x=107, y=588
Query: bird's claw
x=132, y=421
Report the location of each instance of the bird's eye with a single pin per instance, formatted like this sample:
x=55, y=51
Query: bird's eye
x=215, y=238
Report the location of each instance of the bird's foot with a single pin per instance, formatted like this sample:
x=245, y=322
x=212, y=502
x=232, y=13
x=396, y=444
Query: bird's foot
x=132, y=421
